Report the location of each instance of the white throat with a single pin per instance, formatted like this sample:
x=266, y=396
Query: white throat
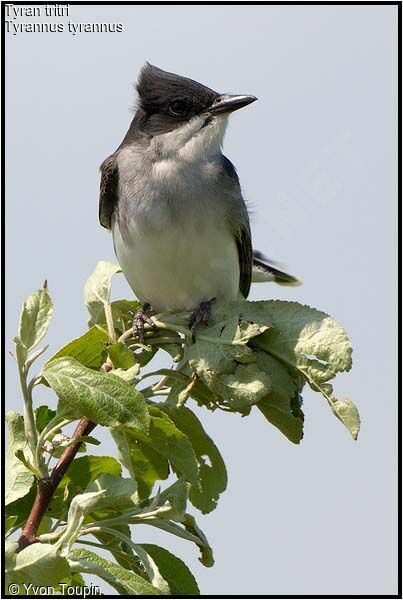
x=192, y=142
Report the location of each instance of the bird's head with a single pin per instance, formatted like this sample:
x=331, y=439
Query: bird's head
x=182, y=117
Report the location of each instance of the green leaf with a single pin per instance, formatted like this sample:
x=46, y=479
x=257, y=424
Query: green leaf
x=314, y=344
x=10, y=522
x=164, y=437
x=188, y=531
x=206, y=551
x=128, y=375
x=28, y=465
x=88, y=439
x=222, y=359
x=178, y=576
x=212, y=471
x=18, y=478
x=10, y=555
x=122, y=314
x=306, y=339
x=35, y=318
x=97, y=290
x=175, y=498
x=145, y=464
x=277, y=406
x=218, y=349
x=344, y=409
x=240, y=390
x=43, y=415
x=79, y=507
x=101, y=397
x=186, y=384
x=19, y=509
x=38, y=564
x=121, y=356
x=78, y=477
x=73, y=581
x=122, y=552
x=88, y=349
x=122, y=580
x=169, y=341
x=348, y=414
x=119, y=492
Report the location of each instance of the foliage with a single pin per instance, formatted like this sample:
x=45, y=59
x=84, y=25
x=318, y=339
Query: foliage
x=251, y=356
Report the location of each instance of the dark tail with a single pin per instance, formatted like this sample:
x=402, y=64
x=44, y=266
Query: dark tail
x=263, y=270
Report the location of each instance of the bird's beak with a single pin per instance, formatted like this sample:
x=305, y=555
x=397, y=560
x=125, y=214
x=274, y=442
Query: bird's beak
x=227, y=104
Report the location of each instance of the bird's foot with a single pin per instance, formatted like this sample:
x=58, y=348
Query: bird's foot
x=140, y=319
x=200, y=316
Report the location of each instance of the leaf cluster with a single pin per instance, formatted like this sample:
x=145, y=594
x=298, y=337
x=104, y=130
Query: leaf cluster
x=251, y=356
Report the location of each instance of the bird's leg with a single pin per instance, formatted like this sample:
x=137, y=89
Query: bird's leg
x=200, y=316
x=141, y=318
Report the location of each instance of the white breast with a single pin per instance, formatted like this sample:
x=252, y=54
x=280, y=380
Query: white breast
x=171, y=232
x=177, y=268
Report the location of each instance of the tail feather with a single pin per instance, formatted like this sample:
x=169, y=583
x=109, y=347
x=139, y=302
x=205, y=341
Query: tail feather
x=263, y=270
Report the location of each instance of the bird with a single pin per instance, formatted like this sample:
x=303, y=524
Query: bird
x=173, y=202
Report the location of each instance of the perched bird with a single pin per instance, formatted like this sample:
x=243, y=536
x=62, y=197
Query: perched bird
x=173, y=201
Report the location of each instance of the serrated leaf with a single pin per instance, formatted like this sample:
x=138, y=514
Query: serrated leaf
x=97, y=291
x=88, y=349
x=307, y=339
x=19, y=479
x=315, y=345
x=178, y=576
x=212, y=471
x=122, y=580
x=37, y=564
x=101, y=397
x=35, y=318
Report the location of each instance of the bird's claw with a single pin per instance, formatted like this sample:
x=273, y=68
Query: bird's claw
x=140, y=319
x=200, y=316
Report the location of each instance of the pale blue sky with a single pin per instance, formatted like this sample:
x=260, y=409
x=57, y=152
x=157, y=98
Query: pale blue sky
x=317, y=161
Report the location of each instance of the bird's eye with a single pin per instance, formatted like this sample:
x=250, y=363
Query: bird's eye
x=178, y=108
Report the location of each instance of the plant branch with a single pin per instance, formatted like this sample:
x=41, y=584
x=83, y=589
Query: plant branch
x=46, y=487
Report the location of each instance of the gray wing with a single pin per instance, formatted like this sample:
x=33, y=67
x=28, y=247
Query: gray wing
x=242, y=232
x=244, y=245
x=254, y=266
x=108, y=192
